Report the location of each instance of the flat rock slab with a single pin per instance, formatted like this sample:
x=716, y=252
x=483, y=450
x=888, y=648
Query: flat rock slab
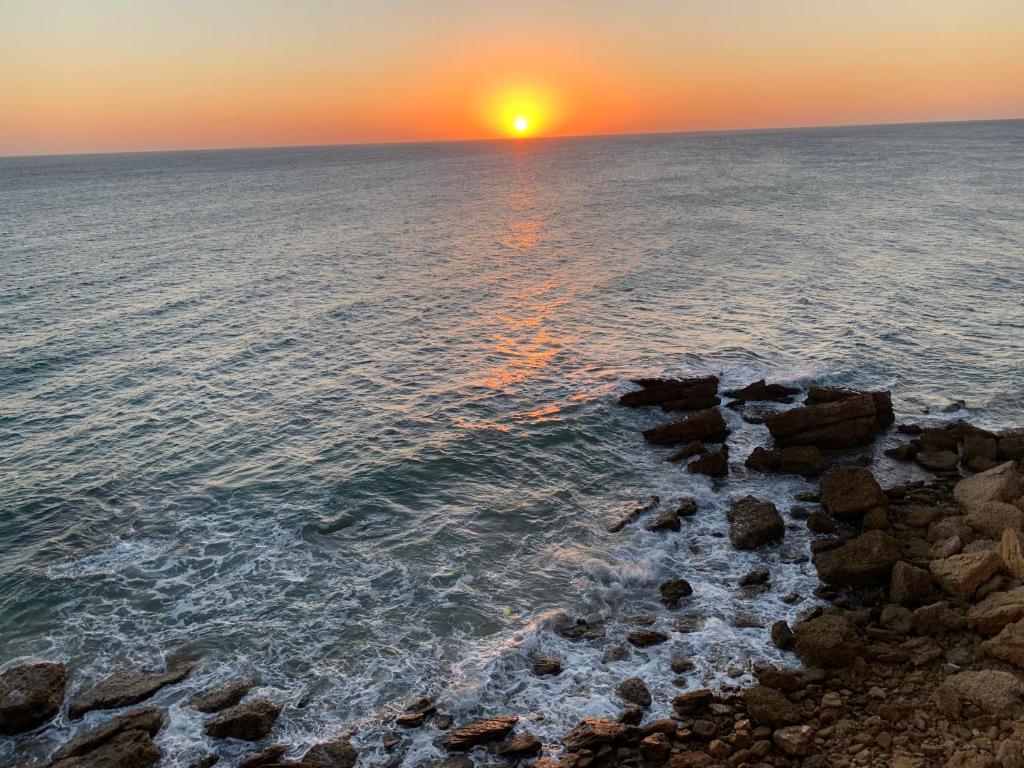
x=147, y=719
x=338, y=753
x=222, y=696
x=997, y=484
x=707, y=426
x=130, y=749
x=847, y=422
x=479, y=732
x=30, y=694
x=249, y=721
x=125, y=690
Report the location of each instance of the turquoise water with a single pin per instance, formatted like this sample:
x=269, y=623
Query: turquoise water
x=346, y=416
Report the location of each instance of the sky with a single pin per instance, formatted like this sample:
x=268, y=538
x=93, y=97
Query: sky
x=126, y=75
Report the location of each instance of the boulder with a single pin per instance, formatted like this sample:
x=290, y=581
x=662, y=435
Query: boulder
x=596, y=731
x=249, y=721
x=707, y=426
x=128, y=749
x=820, y=522
x=690, y=404
x=937, y=619
x=712, y=464
x=123, y=690
x=547, y=665
x=992, y=518
x=863, y=562
x=666, y=520
x=523, y=745
x=753, y=522
x=782, y=636
x=796, y=740
x=692, y=448
x=655, y=748
x=850, y=492
x=827, y=641
x=996, y=611
x=146, y=719
x=268, y=756
x=936, y=439
x=1011, y=448
x=760, y=391
x=674, y=590
x=642, y=638
x=980, y=447
x=30, y=694
x=909, y=585
x=1008, y=645
x=961, y=575
x=843, y=423
x=479, y=732
x=1011, y=550
x=806, y=460
x=658, y=391
x=997, y=484
x=991, y=691
x=693, y=702
x=222, y=696
x=635, y=690
x=633, y=513
x=767, y=706
x=337, y=753
x=763, y=460
x=937, y=461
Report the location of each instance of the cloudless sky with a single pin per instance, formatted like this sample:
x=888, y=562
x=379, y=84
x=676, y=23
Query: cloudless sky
x=109, y=75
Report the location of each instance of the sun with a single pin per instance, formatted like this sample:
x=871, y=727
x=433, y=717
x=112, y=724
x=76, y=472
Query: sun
x=521, y=124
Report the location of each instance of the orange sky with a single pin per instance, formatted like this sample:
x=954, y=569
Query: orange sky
x=109, y=75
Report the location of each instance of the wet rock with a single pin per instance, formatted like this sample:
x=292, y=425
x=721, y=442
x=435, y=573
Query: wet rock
x=998, y=484
x=707, y=426
x=763, y=460
x=806, y=460
x=687, y=508
x=547, y=665
x=994, y=517
x=618, y=652
x=146, y=719
x=796, y=740
x=655, y=748
x=580, y=629
x=1011, y=551
x=827, y=641
x=30, y=694
x=820, y=522
x=760, y=391
x=690, y=404
x=850, y=492
x=909, y=585
x=127, y=689
x=668, y=520
x=271, y=754
x=594, y=732
x=523, y=745
x=692, y=448
x=933, y=440
x=128, y=749
x=633, y=714
x=782, y=636
x=222, y=696
x=693, y=702
x=479, y=732
x=714, y=464
x=865, y=561
x=659, y=391
x=1008, y=645
x=902, y=452
x=767, y=706
x=249, y=721
x=208, y=761
x=643, y=638
x=337, y=753
x=992, y=691
x=753, y=522
x=847, y=422
x=937, y=461
x=979, y=447
x=1011, y=448
x=635, y=690
x=961, y=575
x=674, y=590
x=755, y=577
x=625, y=519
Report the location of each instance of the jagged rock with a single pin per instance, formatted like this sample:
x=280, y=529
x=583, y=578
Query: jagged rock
x=864, y=561
x=760, y=576
x=843, y=423
x=827, y=641
x=763, y=460
x=782, y=636
x=897, y=618
x=850, y=492
x=796, y=740
x=991, y=691
x=806, y=460
x=935, y=439
x=581, y=629
x=655, y=748
x=523, y=745
x=1011, y=448
x=997, y=484
x=994, y=517
x=713, y=464
x=909, y=585
x=337, y=753
x=693, y=702
x=658, y=391
x=547, y=665
x=996, y=611
x=30, y=694
x=667, y=520
x=690, y=404
x=760, y=391
x=674, y=590
x=707, y=426
x=753, y=522
x=128, y=749
x=687, y=508
x=937, y=619
x=635, y=690
x=147, y=719
x=692, y=448
x=266, y=756
x=961, y=575
x=595, y=731
x=937, y=461
x=126, y=689
x=479, y=732
x=633, y=514
x=980, y=447
x=820, y=522
x=222, y=696
x=1008, y=645
x=767, y=706
x=643, y=638
x=631, y=715
x=249, y=721
x=1011, y=550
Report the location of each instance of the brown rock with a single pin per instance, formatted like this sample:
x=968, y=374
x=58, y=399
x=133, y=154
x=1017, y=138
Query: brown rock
x=693, y=702
x=658, y=391
x=862, y=562
x=978, y=446
x=593, y=732
x=937, y=619
x=766, y=706
x=994, y=517
x=479, y=732
x=222, y=696
x=998, y=484
x=674, y=590
x=1011, y=448
x=782, y=635
x=655, y=748
x=707, y=426
x=713, y=464
x=909, y=585
x=827, y=641
x=843, y=423
x=625, y=519
x=806, y=460
x=337, y=753
x=1008, y=645
x=146, y=719
x=796, y=741
x=523, y=745
x=760, y=391
x=1011, y=550
x=249, y=721
x=547, y=665
x=667, y=520
x=996, y=611
x=124, y=690
x=634, y=690
x=692, y=448
x=961, y=575
x=30, y=694
x=763, y=460
x=130, y=749
x=937, y=461
x=271, y=754
x=642, y=638
x=753, y=522
x=991, y=691
x=849, y=492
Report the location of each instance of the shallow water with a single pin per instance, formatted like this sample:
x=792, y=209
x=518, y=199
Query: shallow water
x=346, y=417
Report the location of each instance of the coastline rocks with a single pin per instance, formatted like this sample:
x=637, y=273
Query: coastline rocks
x=659, y=391
x=128, y=749
x=712, y=464
x=991, y=691
x=782, y=636
x=674, y=590
x=125, y=690
x=993, y=517
x=547, y=665
x=847, y=421
x=483, y=731
x=146, y=719
x=1011, y=551
x=937, y=461
x=827, y=641
x=753, y=522
x=693, y=702
x=523, y=745
x=642, y=638
x=250, y=721
x=633, y=514
x=416, y=711
x=767, y=706
x=805, y=460
x=865, y=561
x=666, y=521
x=655, y=748
x=760, y=391
x=1008, y=645
x=692, y=448
x=707, y=426
x=222, y=696
x=597, y=731
x=849, y=492
x=961, y=575
x=997, y=484
x=796, y=740
x=635, y=691
x=338, y=753
x=30, y=694
x=996, y=611
x=269, y=755
x=909, y=585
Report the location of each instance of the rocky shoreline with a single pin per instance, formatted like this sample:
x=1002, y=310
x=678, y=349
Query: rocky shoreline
x=913, y=658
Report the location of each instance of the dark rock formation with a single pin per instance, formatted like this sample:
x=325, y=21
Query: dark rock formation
x=222, y=696
x=635, y=690
x=128, y=749
x=714, y=464
x=249, y=721
x=846, y=422
x=30, y=694
x=865, y=561
x=759, y=390
x=479, y=732
x=147, y=719
x=753, y=522
x=706, y=426
x=337, y=753
x=659, y=391
x=674, y=590
x=851, y=492
x=124, y=690
x=828, y=641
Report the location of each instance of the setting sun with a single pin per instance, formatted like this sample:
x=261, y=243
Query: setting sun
x=521, y=124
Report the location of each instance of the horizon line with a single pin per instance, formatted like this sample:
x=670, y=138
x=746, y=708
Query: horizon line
x=514, y=139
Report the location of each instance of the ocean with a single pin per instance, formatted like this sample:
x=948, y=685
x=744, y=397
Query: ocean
x=345, y=417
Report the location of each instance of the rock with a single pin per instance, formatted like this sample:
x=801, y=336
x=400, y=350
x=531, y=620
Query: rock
x=222, y=696
x=658, y=391
x=337, y=753
x=693, y=702
x=667, y=520
x=631, y=715
x=796, y=740
x=902, y=452
x=1011, y=448
x=633, y=514
x=759, y=391
x=1011, y=550
x=1010, y=755
x=674, y=590
x=827, y=641
x=30, y=694
x=147, y=719
x=806, y=460
x=820, y=522
x=767, y=706
x=479, y=732
x=935, y=439
x=961, y=575
x=249, y=721
x=991, y=691
x=753, y=522
x=593, y=732
x=690, y=404
x=692, y=448
x=655, y=748
x=850, y=492
x=897, y=618
x=763, y=460
x=909, y=585
x=634, y=690
x=936, y=619
x=714, y=464
x=125, y=690
x=547, y=665
x=1008, y=645
x=707, y=426
x=996, y=611
x=980, y=447
x=271, y=754
x=128, y=749
x=876, y=519
x=782, y=635
x=755, y=577
x=998, y=484
x=642, y=638
x=865, y=561
x=994, y=517
x=844, y=423
x=937, y=461
x=523, y=745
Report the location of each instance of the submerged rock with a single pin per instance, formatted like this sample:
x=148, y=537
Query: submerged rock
x=30, y=694
x=635, y=690
x=624, y=520
x=674, y=590
x=659, y=391
x=249, y=721
x=337, y=753
x=127, y=749
x=479, y=732
x=642, y=638
x=126, y=689
x=222, y=696
x=753, y=522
